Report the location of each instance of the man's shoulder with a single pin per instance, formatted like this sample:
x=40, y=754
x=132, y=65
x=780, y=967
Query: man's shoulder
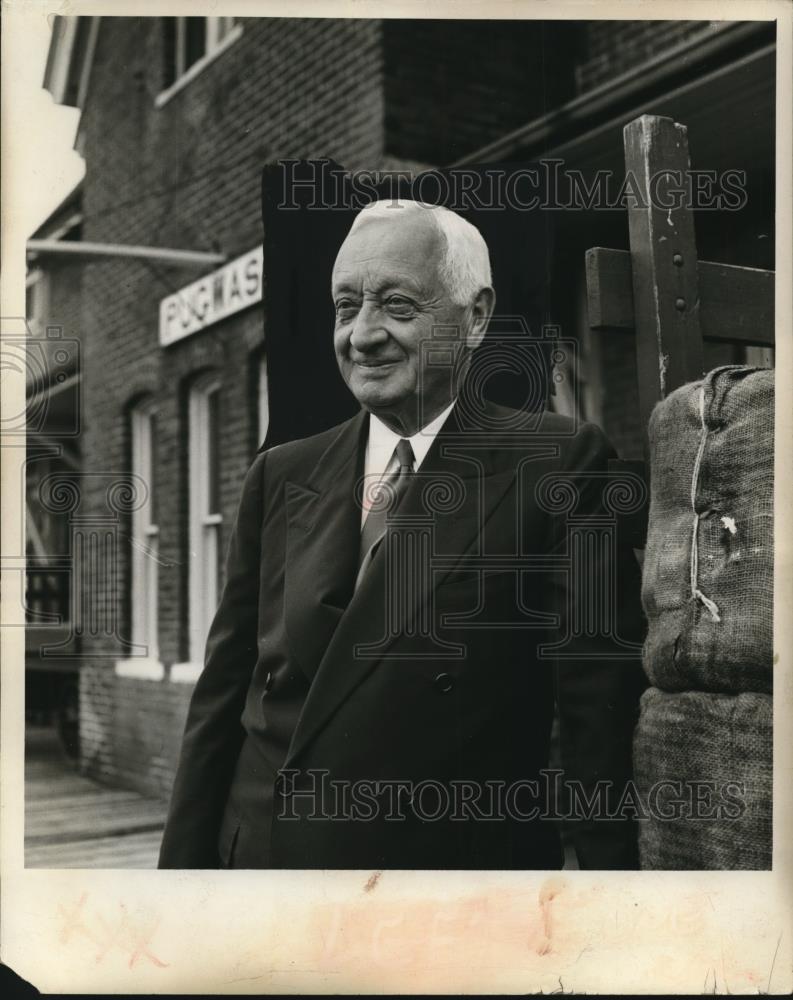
x=569, y=443
x=304, y=451
x=536, y=421
x=527, y=424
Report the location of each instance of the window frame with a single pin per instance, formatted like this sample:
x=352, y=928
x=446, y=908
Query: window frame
x=217, y=41
x=204, y=524
x=144, y=532
x=37, y=281
x=262, y=399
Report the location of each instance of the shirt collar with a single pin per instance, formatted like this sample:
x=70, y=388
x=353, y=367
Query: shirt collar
x=382, y=441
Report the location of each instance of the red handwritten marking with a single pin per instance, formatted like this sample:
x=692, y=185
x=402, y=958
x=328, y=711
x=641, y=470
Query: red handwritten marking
x=70, y=918
x=548, y=892
x=123, y=933
x=372, y=881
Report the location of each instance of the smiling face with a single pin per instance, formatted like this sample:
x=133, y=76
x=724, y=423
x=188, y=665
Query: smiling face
x=388, y=297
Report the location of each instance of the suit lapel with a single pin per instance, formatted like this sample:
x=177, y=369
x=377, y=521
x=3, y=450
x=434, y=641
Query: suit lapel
x=461, y=486
x=323, y=531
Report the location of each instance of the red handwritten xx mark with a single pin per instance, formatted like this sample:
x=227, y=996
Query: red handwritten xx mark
x=123, y=934
x=549, y=890
x=142, y=939
x=71, y=921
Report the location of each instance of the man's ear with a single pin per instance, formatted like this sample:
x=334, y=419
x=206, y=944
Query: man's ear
x=482, y=310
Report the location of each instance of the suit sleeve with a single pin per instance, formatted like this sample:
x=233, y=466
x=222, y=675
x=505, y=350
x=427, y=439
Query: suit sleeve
x=598, y=680
x=213, y=733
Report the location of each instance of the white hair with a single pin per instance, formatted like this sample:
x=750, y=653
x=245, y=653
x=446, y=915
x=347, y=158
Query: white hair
x=465, y=262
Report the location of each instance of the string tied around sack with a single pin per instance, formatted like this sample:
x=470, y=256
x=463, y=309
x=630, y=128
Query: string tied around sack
x=696, y=593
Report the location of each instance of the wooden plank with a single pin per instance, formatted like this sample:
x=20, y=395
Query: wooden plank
x=138, y=850
x=70, y=796
x=92, y=823
x=737, y=299
x=76, y=800
x=664, y=261
x=42, y=791
x=62, y=807
x=736, y=303
x=73, y=822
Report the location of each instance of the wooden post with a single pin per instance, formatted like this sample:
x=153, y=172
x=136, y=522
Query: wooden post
x=663, y=258
x=659, y=290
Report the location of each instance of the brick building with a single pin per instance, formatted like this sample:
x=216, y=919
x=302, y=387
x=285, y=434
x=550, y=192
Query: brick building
x=178, y=116
x=53, y=457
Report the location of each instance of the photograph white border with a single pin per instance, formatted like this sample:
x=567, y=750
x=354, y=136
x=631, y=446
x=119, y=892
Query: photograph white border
x=400, y=932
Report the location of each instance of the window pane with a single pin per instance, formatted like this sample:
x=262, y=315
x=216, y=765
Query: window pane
x=213, y=471
x=169, y=50
x=263, y=401
x=143, y=565
x=154, y=517
x=35, y=301
x=195, y=39
x=30, y=301
x=225, y=24
x=218, y=563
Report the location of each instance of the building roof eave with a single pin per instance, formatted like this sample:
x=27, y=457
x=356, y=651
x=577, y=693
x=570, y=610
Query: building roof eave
x=70, y=58
x=68, y=209
x=539, y=137
x=59, y=66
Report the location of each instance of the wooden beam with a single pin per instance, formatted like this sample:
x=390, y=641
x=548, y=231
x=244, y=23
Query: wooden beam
x=664, y=258
x=736, y=303
x=161, y=255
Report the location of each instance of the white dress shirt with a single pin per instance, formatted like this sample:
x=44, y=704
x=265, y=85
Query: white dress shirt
x=380, y=458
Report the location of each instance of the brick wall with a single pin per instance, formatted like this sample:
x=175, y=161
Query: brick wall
x=63, y=300
x=187, y=175
x=614, y=47
x=452, y=89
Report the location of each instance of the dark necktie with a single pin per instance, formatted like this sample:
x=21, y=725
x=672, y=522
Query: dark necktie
x=386, y=496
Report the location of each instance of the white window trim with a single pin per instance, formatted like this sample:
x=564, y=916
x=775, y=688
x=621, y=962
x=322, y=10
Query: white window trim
x=144, y=574
x=37, y=278
x=263, y=400
x=88, y=61
x=199, y=66
x=185, y=673
x=141, y=668
x=204, y=526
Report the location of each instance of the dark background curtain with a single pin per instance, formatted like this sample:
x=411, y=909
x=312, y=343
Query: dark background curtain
x=306, y=391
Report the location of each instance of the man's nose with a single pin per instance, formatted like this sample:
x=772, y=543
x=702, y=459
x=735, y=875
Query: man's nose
x=368, y=331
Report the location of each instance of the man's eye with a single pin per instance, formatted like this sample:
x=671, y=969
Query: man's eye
x=346, y=309
x=398, y=305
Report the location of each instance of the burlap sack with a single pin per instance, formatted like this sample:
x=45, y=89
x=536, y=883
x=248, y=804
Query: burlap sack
x=707, y=584
x=711, y=749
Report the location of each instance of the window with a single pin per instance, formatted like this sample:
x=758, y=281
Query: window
x=263, y=402
x=205, y=516
x=145, y=531
x=36, y=302
x=189, y=44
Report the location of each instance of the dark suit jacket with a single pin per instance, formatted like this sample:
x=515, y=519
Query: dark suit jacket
x=446, y=686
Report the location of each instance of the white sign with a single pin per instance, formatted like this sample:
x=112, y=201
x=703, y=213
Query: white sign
x=233, y=287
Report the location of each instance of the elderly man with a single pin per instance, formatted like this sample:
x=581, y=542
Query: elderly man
x=381, y=674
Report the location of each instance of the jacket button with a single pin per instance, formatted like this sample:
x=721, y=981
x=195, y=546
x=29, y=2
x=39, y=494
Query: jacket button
x=268, y=682
x=443, y=683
